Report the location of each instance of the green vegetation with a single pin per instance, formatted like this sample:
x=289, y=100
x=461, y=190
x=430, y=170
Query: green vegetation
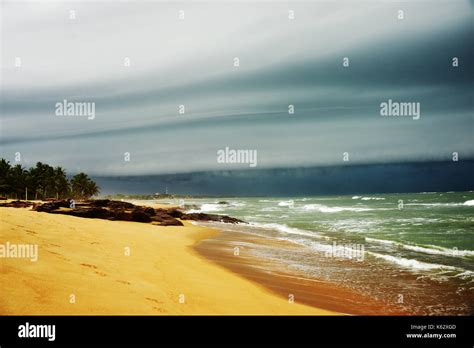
x=156, y=196
x=42, y=182
x=143, y=196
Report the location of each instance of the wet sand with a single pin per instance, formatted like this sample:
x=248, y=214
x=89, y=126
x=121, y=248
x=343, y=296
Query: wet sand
x=275, y=276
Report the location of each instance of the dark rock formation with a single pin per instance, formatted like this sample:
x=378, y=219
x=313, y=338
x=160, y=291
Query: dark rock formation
x=171, y=222
x=17, y=204
x=121, y=211
x=139, y=214
x=51, y=206
x=91, y=213
x=211, y=217
x=172, y=212
x=167, y=217
x=166, y=220
x=121, y=215
x=107, y=203
x=145, y=210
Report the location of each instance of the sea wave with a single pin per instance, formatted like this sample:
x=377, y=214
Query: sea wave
x=369, y=198
x=426, y=249
x=323, y=248
x=325, y=209
x=437, y=204
x=208, y=207
x=289, y=203
x=469, y=203
x=435, y=250
x=465, y=275
x=285, y=229
x=380, y=241
x=269, y=209
x=237, y=204
x=411, y=263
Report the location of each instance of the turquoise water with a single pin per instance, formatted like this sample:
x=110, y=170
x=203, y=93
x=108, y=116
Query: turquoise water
x=423, y=242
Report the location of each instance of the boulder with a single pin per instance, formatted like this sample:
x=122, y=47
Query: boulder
x=121, y=215
x=107, y=203
x=91, y=213
x=171, y=222
x=166, y=220
x=170, y=212
x=98, y=202
x=146, y=210
x=50, y=206
x=211, y=217
x=139, y=215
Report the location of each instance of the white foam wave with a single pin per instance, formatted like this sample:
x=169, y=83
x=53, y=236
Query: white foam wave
x=237, y=204
x=285, y=229
x=465, y=275
x=325, y=209
x=380, y=241
x=269, y=209
x=410, y=263
x=435, y=250
x=289, y=203
x=369, y=198
x=427, y=249
x=469, y=203
x=436, y=204
x=207, y=207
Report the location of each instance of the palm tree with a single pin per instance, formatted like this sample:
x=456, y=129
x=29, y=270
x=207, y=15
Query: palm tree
x=37, y=175
x=5, y=187
x=92, y=189
x=83, y=187
x=60, y=183
x=45, y=181
x=18, y=180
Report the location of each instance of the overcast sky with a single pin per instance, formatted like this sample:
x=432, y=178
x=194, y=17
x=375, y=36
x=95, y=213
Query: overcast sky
x=190, y=61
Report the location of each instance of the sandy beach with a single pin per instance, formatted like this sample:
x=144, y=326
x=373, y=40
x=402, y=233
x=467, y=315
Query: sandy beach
x=93, y=266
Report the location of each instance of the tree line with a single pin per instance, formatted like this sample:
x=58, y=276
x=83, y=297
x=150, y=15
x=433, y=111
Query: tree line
x=43, y=181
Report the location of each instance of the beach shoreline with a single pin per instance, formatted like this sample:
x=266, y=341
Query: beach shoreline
x=238, y=252
x=83, y=269
x=386, y=260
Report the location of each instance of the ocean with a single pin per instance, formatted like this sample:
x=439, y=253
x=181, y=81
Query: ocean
x=415, y=251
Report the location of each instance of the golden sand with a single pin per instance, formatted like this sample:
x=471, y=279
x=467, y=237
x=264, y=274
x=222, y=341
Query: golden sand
x=87, y=260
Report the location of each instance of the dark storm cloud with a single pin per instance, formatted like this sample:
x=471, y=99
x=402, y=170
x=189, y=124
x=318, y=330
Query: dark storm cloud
x=337, y=108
